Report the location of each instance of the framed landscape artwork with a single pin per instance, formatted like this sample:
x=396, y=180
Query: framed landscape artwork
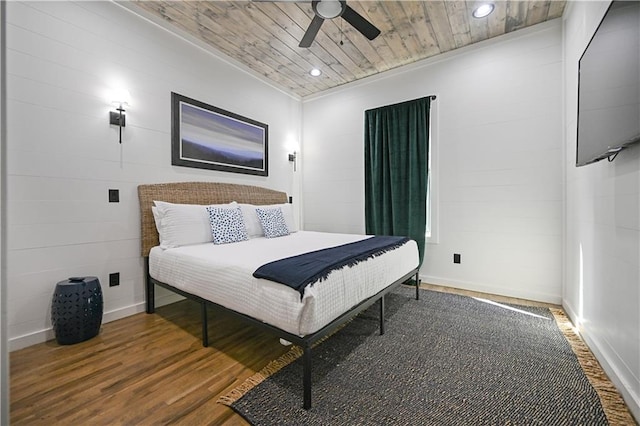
x=207, y=137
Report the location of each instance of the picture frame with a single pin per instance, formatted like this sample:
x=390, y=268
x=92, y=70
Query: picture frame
x=207, y=137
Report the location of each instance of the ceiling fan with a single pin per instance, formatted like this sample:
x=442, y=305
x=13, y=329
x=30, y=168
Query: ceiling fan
x=330, y=9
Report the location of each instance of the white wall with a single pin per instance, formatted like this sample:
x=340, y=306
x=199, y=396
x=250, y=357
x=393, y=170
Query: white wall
x=4, y=350
x=498, y=134
x=62, y=60
x=499, y=140
x=602, y=232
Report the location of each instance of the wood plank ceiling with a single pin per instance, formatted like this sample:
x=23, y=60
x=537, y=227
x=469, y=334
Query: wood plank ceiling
x=264, y=35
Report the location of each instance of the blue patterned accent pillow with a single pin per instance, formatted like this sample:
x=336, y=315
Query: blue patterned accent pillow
x=227, y=225
x=272, y=221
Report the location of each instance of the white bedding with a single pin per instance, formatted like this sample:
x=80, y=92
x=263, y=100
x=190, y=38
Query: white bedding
x=224, y=274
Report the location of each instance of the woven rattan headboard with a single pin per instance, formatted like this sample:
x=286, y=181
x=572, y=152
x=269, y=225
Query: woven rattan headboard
x=196, y=193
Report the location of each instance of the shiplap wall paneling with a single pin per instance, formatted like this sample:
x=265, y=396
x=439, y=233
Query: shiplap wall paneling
x=601, y=290
x=499, y=162
x=63, y=59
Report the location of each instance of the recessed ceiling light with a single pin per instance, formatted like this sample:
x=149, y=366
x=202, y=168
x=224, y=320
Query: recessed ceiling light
x=483, y=10
x=315, y=72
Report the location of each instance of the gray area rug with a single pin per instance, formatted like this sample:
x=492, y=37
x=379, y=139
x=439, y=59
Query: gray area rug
x=444, y=360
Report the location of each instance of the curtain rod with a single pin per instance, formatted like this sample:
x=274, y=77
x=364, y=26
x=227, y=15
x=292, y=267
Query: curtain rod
x=430, y=97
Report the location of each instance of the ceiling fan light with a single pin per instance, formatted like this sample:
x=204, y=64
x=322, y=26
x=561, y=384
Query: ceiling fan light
x=483, y=10
x=328, y=9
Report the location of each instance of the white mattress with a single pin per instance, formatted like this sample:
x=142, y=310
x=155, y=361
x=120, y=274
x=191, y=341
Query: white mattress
x=224, y=274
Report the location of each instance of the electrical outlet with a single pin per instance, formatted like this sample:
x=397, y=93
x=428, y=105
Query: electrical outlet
x=114, y=196
x=114, y=279
x=456, y=258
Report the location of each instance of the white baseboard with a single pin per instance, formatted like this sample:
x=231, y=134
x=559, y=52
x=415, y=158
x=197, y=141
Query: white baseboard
x=628, y=390
x=127, y=311
x=48, y=333
x=30, y=339
x=113, y=315
x=492, y=289
x=609, y=361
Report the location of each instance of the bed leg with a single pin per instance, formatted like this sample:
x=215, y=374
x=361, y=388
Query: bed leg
x=306, y=376
x=382, y=315
x=417, y=286
x=150, y=288
x=205, y=326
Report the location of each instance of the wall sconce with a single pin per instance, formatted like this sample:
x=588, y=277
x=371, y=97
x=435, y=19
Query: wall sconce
x=292, y=158
x=120, y=99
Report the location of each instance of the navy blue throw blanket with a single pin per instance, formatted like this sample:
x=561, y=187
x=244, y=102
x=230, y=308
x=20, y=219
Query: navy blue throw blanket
x=302, y=270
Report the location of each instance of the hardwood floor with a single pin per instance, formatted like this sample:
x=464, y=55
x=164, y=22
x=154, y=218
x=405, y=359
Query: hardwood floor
x=146, y=370
x=493, y=297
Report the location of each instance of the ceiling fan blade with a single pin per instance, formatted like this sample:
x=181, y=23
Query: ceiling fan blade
x=313, y=29
x=359, y=23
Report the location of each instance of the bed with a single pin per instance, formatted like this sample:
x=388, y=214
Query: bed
x=222, y=275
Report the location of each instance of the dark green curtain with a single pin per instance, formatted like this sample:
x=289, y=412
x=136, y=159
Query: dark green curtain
x=396, y=167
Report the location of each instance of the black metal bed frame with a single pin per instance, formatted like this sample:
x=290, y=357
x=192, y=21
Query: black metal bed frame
x=305, y=342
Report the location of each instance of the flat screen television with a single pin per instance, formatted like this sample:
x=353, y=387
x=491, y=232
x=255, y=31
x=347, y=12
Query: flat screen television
x=609, y=86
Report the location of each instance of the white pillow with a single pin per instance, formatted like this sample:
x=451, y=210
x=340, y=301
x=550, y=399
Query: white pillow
x=156, y=218
x=272, y=221
x=252, y=222
x=183, y=224
x=287, y=212
x=227, y=225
